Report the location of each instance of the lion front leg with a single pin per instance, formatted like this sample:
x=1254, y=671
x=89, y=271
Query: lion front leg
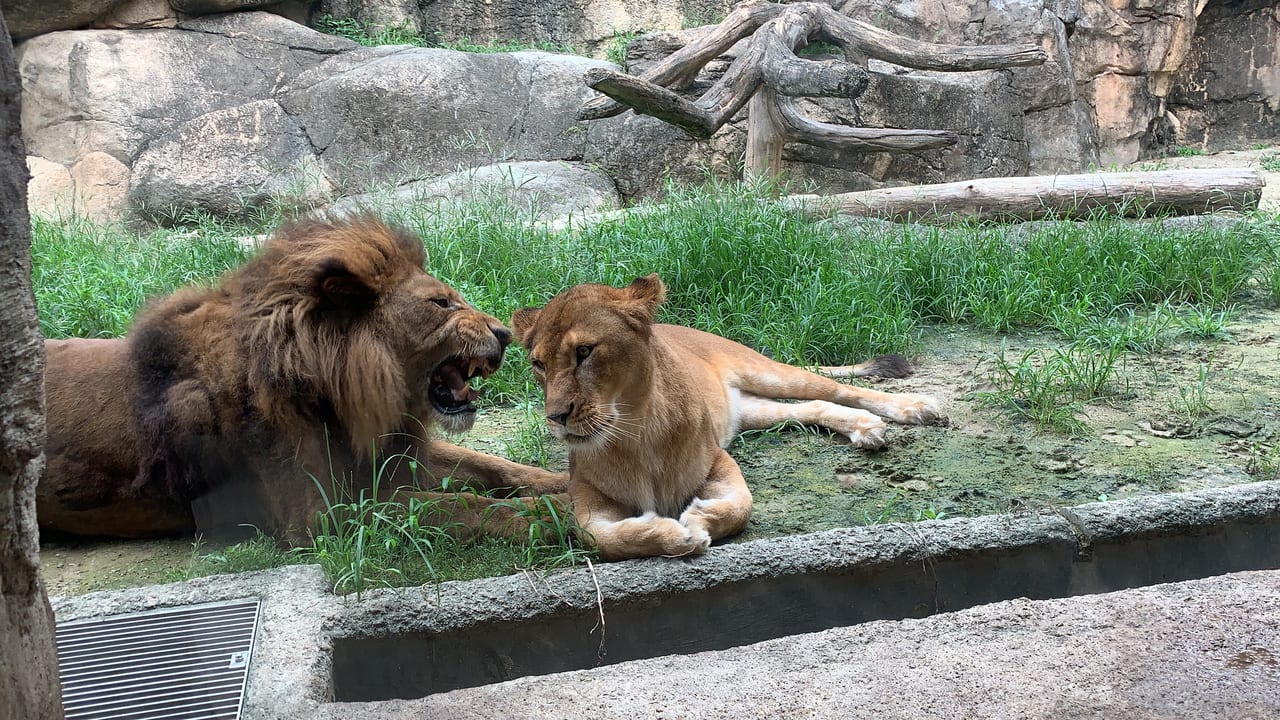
x=467, y=516
x=488, y=472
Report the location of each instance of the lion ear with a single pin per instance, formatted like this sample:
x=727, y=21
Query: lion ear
x=337, y=285
x=647, y=293
x=523, y=320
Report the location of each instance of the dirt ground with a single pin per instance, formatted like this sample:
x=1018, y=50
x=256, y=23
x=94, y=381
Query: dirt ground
x=982, y=460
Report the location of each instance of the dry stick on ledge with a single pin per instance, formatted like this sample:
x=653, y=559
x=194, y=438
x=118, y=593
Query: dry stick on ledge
x=769, y=71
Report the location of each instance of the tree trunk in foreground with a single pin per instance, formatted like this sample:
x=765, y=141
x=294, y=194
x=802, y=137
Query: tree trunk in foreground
x=28, y=661
x=1129, y=194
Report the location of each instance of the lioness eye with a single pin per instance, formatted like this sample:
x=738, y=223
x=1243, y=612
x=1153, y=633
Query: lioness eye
x=538, y=366
x=584, y=351
x=442, y=302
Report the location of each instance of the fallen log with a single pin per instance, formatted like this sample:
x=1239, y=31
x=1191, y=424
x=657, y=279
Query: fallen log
x=1128, y=194
x=1018, y=199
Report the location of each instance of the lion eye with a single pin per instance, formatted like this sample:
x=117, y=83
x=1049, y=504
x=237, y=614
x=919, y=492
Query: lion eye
x=442, y=302
x=584, y=351
x=538, y=366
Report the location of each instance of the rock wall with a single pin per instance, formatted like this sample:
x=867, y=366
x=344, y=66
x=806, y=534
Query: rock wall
x=1227, y=94
x=227, y=112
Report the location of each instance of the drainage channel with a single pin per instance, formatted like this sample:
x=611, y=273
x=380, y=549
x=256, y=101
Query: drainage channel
x=413, y=643
x=181, y=662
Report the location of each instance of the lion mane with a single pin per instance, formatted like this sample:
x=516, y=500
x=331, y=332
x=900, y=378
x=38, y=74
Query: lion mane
x=226, y=405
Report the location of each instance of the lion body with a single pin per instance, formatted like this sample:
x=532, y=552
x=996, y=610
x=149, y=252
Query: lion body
x=237, y=404
x=648, y=409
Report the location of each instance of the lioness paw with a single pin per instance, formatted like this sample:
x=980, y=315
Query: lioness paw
x=915, y=409
x=869, y=437
x=696, y=541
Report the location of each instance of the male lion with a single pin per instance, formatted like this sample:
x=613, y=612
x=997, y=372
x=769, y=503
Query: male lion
x=647, y=410
x=330, y=352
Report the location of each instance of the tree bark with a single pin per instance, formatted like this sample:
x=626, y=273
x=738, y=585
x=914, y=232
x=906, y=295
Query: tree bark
x=1016, y=199
x=1130, y=194
x=29, y=685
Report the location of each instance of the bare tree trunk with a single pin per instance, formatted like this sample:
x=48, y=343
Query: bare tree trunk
x=28, y=662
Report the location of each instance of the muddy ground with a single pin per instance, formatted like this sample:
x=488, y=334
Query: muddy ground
x=1145, y=439
x=983, y=460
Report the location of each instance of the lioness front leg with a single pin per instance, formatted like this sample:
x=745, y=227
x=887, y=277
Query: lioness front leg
x=619, y=535
x=723, y=506
x=777, y=380
x=863, y=428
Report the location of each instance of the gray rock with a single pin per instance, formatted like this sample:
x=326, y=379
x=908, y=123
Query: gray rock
x=204, y=7
x=1228, y=92
x=227, y=162
x=419, y=112
x=535, y=190
x=32, y=17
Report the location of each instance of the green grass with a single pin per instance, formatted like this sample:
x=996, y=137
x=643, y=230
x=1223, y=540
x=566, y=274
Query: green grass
x=1270, y=162
x=260, y=552
x=404, y=34
x=91, y=279
x=1187, y=151
x=738, y=265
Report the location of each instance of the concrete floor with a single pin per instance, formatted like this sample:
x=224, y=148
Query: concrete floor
x=1198, y=649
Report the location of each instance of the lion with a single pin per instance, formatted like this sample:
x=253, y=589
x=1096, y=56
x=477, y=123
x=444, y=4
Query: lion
x=647, y=411
x=326, y=360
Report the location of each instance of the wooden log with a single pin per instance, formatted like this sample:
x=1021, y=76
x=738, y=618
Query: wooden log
x=1129, y=194
x=679, y=69
x=800, y=128
x=788, y=74
x=863, y=39
x=1016, y=199
x=649, y=99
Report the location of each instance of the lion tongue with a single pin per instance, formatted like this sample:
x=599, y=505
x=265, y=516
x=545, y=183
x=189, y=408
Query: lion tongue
x=452, y=376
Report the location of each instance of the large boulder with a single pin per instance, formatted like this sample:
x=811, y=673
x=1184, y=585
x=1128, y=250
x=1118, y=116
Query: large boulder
x=420, y=112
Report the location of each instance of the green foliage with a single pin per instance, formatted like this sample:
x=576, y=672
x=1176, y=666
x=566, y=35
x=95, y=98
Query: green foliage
x=369, y=35
x=1270, y=162
x=615, y=49
x=261, y=552
x=1193, y=400
x=1050, y=387
x=1187, y=151
x=91, y=279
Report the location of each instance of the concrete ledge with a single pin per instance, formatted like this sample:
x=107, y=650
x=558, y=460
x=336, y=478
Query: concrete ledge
x=410, y=642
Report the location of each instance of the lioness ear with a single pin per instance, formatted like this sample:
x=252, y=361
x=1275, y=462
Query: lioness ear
x=522, y=322
x=647, y=293
x=337, y=285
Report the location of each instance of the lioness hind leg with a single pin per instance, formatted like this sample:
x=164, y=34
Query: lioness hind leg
x=618, y=535
x=864, y=429
x=778, y=380
x=723, y=505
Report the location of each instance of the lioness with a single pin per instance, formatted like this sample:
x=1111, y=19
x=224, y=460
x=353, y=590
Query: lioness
x=647, y=410
x=326, y=358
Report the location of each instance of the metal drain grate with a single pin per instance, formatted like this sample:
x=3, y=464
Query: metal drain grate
x=184, y=663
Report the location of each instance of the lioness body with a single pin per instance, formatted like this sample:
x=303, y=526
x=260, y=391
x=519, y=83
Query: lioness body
x=647, y=410
x=332, y=351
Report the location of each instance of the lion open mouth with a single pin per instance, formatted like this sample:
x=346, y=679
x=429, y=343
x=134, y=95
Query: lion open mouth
x=450, y=391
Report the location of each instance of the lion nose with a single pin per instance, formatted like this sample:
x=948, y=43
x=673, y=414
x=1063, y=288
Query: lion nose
x=503, y=335
x=561, y=418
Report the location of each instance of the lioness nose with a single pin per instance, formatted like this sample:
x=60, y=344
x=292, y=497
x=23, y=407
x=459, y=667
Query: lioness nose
x=561, y=418
x=503, y=335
